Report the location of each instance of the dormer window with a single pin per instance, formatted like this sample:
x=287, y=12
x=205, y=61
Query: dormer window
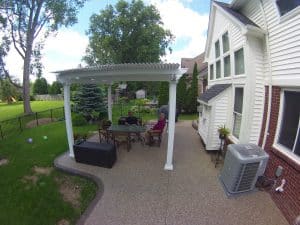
x=225, y=42
x=285, y=6
x=217, y=49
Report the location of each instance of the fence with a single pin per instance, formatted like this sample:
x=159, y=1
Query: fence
x=18, y=124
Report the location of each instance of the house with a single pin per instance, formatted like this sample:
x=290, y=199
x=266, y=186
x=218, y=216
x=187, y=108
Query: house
x=201, y=68
x=253, y=56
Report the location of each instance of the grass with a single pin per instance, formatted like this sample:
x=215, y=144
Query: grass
x=8, y=111
x=40, y=203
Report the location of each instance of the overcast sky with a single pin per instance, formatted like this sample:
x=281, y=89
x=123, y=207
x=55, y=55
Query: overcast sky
x=187, y=20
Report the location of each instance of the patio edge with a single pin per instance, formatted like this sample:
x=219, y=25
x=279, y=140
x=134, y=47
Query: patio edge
x=95, y=179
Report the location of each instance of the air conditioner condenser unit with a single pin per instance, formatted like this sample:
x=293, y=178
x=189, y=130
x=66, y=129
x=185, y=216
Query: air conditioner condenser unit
x=243, y=164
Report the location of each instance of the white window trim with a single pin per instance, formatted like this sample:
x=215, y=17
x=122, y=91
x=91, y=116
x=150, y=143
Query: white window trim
x=276, y=144
x=223, y=62
x=288, y=15
x=218, y=78
x=213, y=77
x=218, y=57
x=236, y=139
x=234, y=51
x=228, y=51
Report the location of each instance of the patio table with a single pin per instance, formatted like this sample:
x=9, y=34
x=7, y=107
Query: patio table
x=127, y=130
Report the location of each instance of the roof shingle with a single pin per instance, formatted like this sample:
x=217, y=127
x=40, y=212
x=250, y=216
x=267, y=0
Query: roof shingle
x=243, y=19
x=213, y=91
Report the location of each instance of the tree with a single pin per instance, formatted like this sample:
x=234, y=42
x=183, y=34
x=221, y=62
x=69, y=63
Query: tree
x=7, y=91
x=25, y=21
x=127, y=33
x=181, y=93
x=163, y=97
x=40, y=86
x=89, y=99
x=55, y=88
x=193, y=92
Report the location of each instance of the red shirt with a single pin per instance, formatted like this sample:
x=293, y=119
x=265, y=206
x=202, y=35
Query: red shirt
x=159, y=125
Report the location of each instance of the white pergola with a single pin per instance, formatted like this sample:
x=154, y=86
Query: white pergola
x=107, y=74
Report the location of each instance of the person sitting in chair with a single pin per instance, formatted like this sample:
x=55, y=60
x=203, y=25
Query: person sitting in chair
x=156, y=129
x=131, y=119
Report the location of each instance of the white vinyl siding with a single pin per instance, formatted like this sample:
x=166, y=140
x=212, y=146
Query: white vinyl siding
x=284, y=42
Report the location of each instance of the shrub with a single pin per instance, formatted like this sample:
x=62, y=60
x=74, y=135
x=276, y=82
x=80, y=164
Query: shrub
x=78, y=119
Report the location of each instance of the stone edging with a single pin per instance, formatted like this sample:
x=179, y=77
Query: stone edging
x=99, y=183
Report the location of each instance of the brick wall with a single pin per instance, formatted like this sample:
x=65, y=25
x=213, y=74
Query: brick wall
x=288, y=201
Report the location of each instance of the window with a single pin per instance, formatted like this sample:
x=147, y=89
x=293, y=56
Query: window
x=218, y=69
x=217, y=49
x=227, y=66
x=225, y=42
x=239, y=62
x=237, y=111
x=211, y=72
x=285, y=6
x=289, y=135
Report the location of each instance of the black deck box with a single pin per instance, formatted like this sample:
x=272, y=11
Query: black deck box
x=97, y=154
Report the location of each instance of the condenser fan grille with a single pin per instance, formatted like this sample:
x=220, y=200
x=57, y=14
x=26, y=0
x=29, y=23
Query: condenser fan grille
x=247, y=175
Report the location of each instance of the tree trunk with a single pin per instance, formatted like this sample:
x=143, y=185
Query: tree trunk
x=26, y=81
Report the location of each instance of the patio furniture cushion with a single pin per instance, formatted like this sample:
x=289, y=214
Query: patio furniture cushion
x=97, y=154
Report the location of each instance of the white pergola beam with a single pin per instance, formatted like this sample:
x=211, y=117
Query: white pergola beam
x=68, y=118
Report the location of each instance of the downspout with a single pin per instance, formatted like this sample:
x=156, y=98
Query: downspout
x=266, y=132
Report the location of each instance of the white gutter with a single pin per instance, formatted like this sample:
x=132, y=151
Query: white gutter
x=266, y=132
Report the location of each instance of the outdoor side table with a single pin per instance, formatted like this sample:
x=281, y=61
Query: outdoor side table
x=97, y=154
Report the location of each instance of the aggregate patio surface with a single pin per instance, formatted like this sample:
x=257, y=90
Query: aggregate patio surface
x=138, y=191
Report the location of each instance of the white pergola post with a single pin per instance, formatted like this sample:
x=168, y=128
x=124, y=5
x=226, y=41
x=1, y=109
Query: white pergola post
x=109, y=103
x=68, y=118
x=171, y=121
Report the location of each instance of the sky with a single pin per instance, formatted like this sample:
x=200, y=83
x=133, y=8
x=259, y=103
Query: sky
x=186, y=19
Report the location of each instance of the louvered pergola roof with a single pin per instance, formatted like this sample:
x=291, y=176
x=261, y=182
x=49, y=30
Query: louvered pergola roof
x=122, y=72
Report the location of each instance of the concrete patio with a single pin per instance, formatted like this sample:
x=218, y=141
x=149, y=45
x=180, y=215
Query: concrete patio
x=138, y=191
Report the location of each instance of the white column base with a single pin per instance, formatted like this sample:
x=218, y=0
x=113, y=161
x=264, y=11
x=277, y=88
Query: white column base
x=71, y=155
x=168, y=167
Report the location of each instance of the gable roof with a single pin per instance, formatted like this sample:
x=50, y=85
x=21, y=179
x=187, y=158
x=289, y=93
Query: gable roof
x=247, y=26
x=243, y=19
x=213, y=91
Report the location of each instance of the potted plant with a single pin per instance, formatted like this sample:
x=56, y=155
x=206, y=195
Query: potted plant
x=223, y=132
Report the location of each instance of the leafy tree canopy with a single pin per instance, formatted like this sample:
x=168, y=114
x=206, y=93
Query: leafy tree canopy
x=40, y=86
x=55, y=88
x=24, y=21
x=7, y=91
x=127, y=33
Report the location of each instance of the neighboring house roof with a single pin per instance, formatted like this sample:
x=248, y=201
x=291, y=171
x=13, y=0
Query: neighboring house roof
x=243, y=19
x=212, y=92
x=189, y=63
x=204, y=70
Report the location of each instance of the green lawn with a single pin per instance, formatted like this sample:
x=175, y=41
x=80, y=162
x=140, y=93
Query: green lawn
x=25, y=202
x=16, y=109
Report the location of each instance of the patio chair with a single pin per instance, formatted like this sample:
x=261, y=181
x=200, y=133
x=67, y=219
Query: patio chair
x=155, y=137
x=120, y=138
